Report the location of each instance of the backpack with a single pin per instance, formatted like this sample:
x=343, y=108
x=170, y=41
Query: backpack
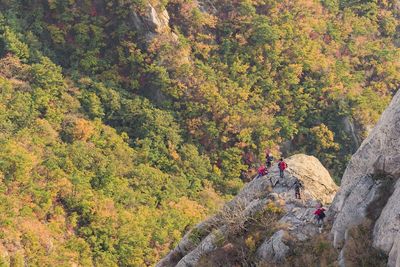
x=282, y=165
x=321, y=214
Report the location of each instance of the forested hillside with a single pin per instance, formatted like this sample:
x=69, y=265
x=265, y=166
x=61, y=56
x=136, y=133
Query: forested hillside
x=123, y=123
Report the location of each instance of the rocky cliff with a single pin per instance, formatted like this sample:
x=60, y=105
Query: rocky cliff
x=151, y=22
x=262, y=222
x=370, y=189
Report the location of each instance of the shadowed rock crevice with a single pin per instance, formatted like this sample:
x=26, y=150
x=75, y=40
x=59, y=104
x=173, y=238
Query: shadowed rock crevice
x=385, y=187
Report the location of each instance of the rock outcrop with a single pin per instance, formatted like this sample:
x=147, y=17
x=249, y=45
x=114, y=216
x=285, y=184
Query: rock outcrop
x=152, y=22
x=274, y=249
x=370, y=187
x=206, y=6
x=294, y=218
x=350, y=128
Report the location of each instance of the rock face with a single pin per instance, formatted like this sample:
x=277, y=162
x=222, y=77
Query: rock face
x=316, y=178
x=274, y=249
x=350, y=128
x=371, y=189
x=206, y=6
x=151, y=23
x=295, y=219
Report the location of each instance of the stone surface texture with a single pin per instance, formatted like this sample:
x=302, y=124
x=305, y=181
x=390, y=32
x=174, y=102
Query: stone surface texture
x=370, y=188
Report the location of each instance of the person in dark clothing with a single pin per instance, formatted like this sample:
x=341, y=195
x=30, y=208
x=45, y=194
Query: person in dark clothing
x=268, y=160
x=282, y=167
x=243, y=175
x=297, y=186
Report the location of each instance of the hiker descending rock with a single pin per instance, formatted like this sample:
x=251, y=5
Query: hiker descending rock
x=297, y=186
x=262, y=170
x=268, y=160
x=319, y=216
x=282, y=167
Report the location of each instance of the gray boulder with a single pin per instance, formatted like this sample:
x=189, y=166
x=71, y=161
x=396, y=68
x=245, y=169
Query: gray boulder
x=151, y=22
x=275, y=249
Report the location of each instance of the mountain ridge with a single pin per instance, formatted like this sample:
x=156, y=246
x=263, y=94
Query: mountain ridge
x=125, y=123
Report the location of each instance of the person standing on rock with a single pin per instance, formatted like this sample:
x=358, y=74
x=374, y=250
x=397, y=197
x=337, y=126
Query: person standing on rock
x=269, y=159
x=319, y=216
x=297, y=186
x=282, y=167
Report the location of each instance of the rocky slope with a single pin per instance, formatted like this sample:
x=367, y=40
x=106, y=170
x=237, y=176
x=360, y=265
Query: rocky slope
x=370, y=189
x=267, y=209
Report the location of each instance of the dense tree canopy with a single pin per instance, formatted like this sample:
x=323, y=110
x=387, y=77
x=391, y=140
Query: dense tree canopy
x=116, y=138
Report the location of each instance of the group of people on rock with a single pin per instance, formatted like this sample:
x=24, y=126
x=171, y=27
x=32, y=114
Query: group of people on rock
x=319, y=213
x=269, y=159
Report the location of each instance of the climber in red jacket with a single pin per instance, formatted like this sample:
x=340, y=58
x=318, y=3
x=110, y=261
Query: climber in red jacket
x=282, y=167
x=262, y=170
x=320, y=215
